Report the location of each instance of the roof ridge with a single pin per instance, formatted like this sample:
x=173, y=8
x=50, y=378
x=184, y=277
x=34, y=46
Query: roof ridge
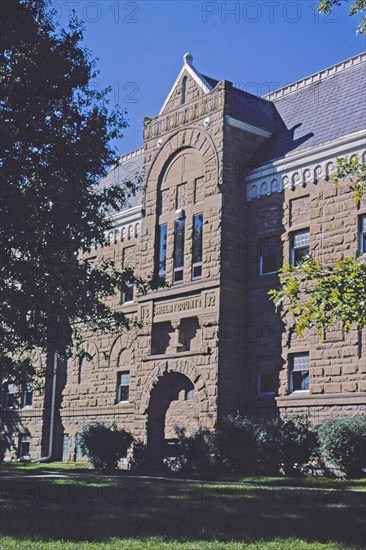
x=130, y=155
x=297, y=85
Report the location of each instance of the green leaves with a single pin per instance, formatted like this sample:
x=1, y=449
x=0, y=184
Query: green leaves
x=355, y=171
x=314, y=295
x=56, y=149
x=356, y=8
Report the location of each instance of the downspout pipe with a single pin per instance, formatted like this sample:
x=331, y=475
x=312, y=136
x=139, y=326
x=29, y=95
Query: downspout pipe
x=52, y=413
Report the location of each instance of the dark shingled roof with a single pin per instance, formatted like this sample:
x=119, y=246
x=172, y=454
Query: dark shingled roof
x=129, y=169
x=211, y=81
x=317, y=113
x=251, y=109
x=331, y=106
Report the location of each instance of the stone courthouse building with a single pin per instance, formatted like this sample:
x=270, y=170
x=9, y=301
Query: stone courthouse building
x=234, y=185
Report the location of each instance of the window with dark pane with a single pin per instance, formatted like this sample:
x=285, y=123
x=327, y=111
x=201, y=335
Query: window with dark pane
x=268, y=383
x=300, y=246
x=178, y=258
x=24, y=445
x=363, y=234
x=163, y=235
x=10, y=396
x=27, y=395
x=127, y=293
x=123, y=386
x=270, y=255
x=299, y=372
x=184, y=90
x=197, y=246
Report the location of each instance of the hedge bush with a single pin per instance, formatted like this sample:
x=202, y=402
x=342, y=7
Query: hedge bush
x=4, y=445
x=237, y=444
x=103, y=445
x=285, y=445
x=193, y=453
x=342, y=442
x=140, y=457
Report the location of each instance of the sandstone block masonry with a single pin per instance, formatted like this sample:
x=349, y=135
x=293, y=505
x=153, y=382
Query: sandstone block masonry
x=208, y=342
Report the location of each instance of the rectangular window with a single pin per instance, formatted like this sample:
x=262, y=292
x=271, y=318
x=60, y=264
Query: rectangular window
x=123, y=386
x=127, y=293
x=78, y=454
x=10, y=397
x=363, y=234
x=300, y=246
x=197, y=246
x=299, y=372
x=27, y=395
x=163, y=234
x=267, y=383
x=179, y=229
x=270, y=257
x=65, y=448
x=24, y=445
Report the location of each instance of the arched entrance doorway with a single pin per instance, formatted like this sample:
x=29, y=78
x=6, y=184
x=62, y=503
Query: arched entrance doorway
x=173, y=405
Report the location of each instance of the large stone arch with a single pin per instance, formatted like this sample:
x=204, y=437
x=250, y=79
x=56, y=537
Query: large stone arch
x=36, y=357
x=122, y=346
x=86, y=359
x=190, y=137
x=183, y=366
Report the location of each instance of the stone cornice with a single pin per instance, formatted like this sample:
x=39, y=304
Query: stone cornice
x=304, y=168
x=185, y=114
x=180, y=290
x=297, y=400
x=247, y=127
x=316, y=77
x=130, y=155
x=125, y=224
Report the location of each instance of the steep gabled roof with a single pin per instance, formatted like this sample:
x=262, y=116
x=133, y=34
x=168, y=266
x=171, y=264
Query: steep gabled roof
x=206, y=83
x=318, y=109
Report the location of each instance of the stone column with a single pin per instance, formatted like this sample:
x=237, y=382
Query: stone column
x=177, y=344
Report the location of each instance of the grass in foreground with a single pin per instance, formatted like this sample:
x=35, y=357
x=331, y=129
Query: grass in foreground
x=33, y=468
x=134, y=511
x=8, y=543
x=29, y=469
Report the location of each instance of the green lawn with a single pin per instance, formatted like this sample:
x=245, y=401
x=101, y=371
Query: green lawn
x=30, y=469
x=124, y=513
x=160, y=544
x=33, y=468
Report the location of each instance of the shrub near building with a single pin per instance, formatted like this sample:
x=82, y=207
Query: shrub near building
x=342, y=443
x=103, y=445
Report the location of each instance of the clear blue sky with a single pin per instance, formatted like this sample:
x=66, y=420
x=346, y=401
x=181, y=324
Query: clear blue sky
x=254, y=44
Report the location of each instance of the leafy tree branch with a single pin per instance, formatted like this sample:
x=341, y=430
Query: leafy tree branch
x=56, y=148
x=314, y=295
x=356, y=8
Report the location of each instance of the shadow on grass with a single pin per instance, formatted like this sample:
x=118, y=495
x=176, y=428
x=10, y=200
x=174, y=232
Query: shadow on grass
x=97, y=509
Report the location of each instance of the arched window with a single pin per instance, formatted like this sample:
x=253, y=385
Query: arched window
x=184, y=90
x=179, y=226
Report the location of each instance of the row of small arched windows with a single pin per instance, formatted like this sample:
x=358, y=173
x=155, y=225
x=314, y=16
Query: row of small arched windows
x=124, y=233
